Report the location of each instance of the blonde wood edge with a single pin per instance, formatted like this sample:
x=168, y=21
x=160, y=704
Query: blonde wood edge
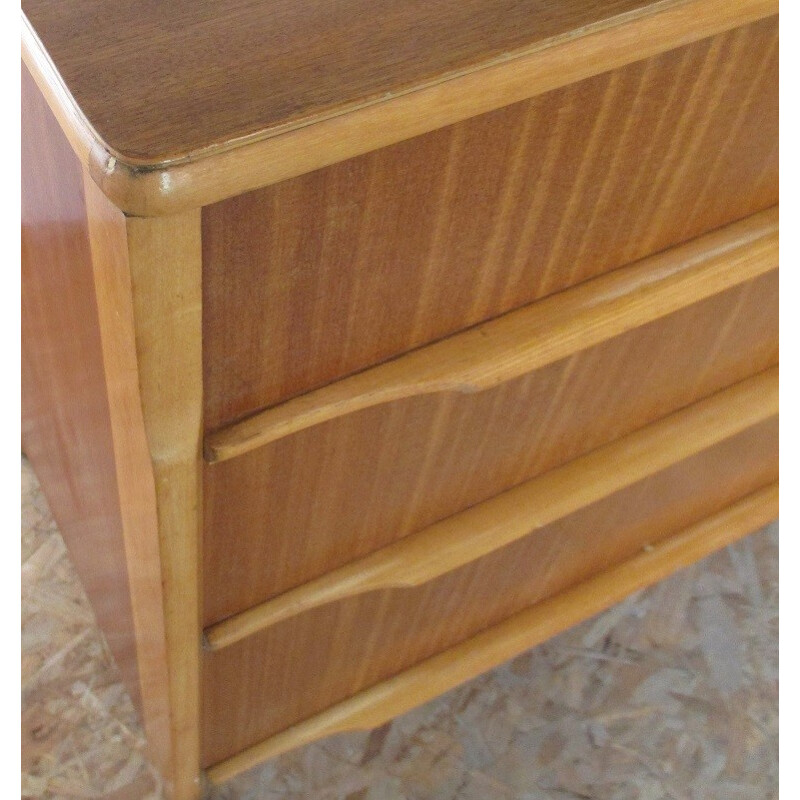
x=136, y=487
x=275, y=154
x=532, y=337
x=427, y=680
x=165, y=265
x=518, y=512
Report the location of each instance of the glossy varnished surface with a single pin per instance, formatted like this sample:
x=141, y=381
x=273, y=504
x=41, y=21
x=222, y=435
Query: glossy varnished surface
x=265, y=684
x=319, y=136
x=66, y=426
x=158, y=80
x=331, y=272
x=283, y=514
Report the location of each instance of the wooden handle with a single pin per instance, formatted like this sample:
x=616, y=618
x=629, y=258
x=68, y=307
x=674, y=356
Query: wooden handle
x=428, y=679
x=495, y=523
x=532, y=337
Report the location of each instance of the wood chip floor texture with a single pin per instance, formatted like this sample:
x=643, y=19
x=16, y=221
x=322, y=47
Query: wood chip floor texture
x=671, y=694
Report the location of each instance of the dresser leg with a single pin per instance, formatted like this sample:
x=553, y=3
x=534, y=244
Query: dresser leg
x=165, y=261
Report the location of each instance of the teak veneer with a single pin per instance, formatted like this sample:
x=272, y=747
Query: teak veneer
x=435, y=675
x=491, y=525
x=543, y=333
x=582, y=38
x=393, y=337
x=483, y=217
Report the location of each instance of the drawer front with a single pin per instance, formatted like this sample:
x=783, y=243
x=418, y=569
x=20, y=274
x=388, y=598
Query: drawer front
x=307, y=503
x=291, y=670
x=322, y=275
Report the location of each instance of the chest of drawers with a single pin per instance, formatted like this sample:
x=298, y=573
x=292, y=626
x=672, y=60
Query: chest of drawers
x=366, y=346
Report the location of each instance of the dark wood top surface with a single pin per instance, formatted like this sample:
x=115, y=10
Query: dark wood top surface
x=160, y=80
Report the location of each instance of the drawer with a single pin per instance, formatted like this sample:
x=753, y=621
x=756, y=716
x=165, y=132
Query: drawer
x=326, y=274
x=302, y=504
x=287, y=672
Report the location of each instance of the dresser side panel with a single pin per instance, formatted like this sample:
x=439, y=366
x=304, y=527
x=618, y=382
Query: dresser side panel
x=66, y=424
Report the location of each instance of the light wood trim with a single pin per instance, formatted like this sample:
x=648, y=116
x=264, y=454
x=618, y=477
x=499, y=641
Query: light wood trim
x=495, y=523
x=430, y=678
x=137, y=498
x=532, y=337
x=281, y=152
x=165, y=264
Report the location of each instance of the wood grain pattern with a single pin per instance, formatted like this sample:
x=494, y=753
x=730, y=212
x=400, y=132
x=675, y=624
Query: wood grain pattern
x=555, y=142
x=282, y=515
x=285, y=674
x=164, y=259
x=279, y=89
x=324, y=275
x=530, y=338
x=134, y=474
x=66, y=424
x=378, y=704
x=493, y=524
x=263, y=58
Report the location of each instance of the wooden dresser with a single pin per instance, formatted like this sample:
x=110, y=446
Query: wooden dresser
x=368, y=344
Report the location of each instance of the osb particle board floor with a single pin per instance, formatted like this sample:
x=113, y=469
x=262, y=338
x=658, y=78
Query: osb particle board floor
x=672, y=694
